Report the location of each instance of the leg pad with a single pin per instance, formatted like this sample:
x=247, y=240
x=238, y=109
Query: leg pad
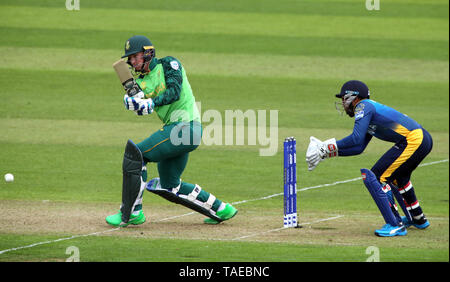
x=132, y=187
x=188, y=201
x=380, y=197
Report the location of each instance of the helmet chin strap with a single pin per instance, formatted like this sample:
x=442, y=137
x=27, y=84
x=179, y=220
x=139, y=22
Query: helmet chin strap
x=144, y=69
x=149, y=54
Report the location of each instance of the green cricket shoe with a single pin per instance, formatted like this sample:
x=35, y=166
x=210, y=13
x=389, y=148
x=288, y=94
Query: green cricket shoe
x=228, y=212
x=116, y=219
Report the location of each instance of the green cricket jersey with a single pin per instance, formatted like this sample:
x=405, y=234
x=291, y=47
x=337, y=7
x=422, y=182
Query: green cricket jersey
x=168, y=86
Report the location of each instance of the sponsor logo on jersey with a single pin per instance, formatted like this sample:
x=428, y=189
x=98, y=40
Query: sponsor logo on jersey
x=174, y=65
x=359, y=115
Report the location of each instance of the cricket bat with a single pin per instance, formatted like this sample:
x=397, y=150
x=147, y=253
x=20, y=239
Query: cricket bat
x=126, y=78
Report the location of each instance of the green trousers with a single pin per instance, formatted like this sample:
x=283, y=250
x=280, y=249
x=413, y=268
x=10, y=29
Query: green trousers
x=169, y=147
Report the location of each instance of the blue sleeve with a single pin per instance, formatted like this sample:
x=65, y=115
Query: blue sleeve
x=355, y=143
x=356, y=149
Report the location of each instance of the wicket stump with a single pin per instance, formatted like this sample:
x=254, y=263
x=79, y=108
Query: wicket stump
x=290, y=183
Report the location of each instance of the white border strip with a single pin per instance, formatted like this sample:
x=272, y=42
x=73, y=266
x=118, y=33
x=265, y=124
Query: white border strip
x=234, y=203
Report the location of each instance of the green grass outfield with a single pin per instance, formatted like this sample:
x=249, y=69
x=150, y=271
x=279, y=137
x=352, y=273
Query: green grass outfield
x=63, y=126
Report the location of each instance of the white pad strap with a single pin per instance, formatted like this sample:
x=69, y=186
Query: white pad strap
x=176, y=189
x=209, y=203
x=193, y=195
x=138, y=200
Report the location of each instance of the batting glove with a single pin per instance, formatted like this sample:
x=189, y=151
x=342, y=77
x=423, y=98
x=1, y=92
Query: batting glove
x=131, y=103
x=145, y=107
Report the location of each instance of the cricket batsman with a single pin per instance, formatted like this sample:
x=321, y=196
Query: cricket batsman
x=390, y=177
x=161, y=86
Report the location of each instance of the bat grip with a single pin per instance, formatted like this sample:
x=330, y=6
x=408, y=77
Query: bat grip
x=131, y=87
x=127, y=81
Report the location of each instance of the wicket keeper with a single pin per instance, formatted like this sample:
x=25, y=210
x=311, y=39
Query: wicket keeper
x=162, y=87
x=390, y=177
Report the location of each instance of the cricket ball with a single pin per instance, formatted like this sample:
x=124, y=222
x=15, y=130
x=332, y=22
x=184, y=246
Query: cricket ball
x=9, y=177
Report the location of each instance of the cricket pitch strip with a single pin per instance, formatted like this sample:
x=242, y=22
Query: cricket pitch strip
x=167, y=221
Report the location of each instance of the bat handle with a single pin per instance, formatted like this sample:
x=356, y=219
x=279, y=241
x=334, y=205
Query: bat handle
x=131, y=87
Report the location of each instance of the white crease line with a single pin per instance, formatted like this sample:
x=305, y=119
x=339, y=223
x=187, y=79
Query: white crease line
x=282, y=228
x=432, y=163
x=172, y=217
x=58, y=240
x=298, y=190
x=83, y=235
x=79, y=236
x=175, y=216
x=324, y=185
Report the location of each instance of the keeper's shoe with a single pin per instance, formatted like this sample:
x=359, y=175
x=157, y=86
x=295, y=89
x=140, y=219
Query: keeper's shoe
x=420, y=224
x=389, y=231
x=228, y=212
x=116, y=219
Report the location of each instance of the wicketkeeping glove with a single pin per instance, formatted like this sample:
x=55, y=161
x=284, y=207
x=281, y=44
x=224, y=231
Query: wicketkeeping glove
x=328, y=149
x=312, y=154
x=318, y=151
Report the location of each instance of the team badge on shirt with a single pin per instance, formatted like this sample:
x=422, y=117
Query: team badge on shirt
x=174, y=65
x=359, y=111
